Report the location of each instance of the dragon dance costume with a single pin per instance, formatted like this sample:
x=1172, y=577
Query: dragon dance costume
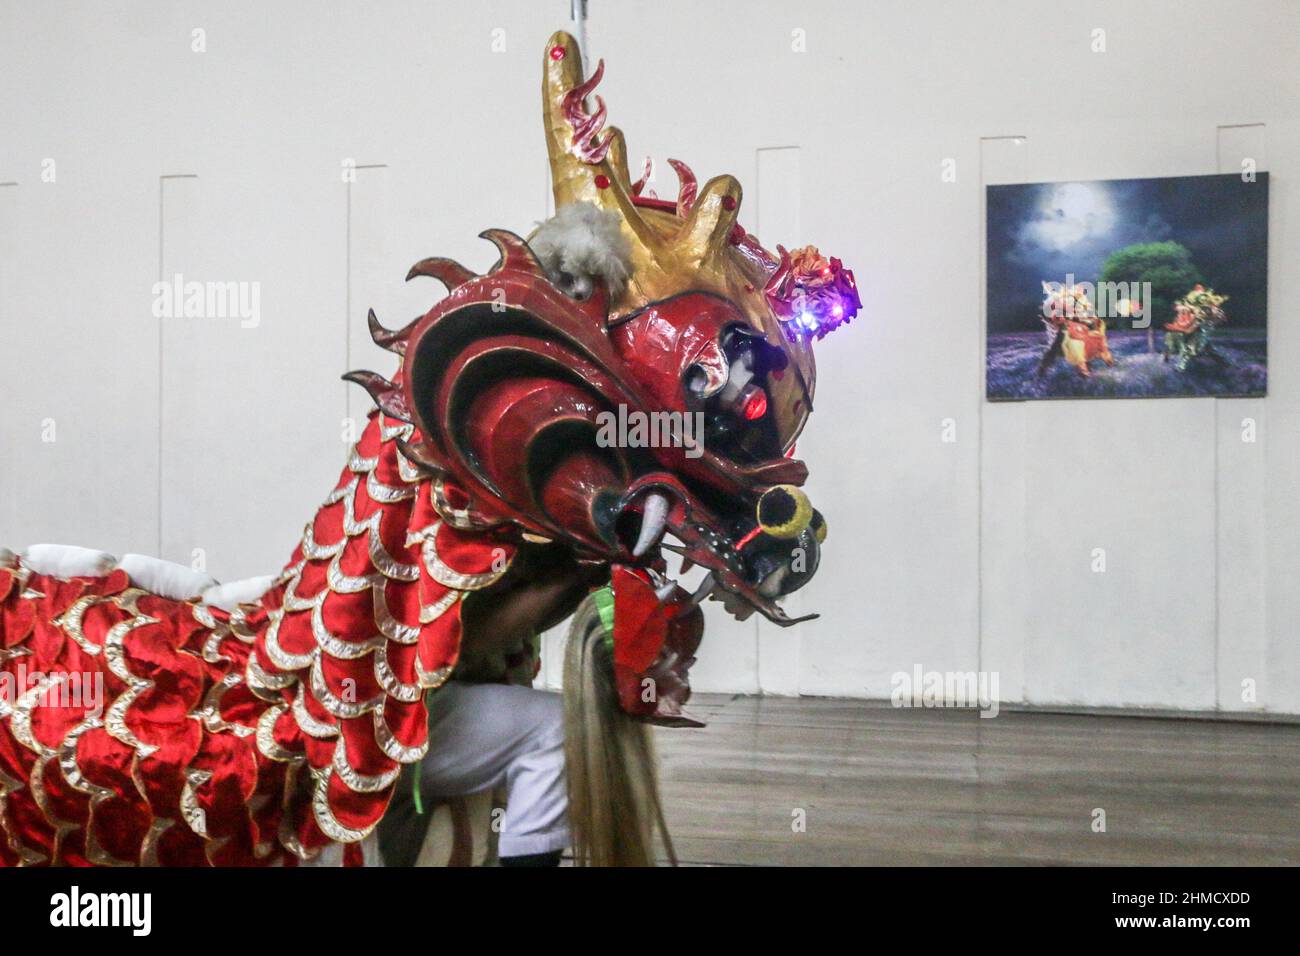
x=263, y=733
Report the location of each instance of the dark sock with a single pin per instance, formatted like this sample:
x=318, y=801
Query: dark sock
x=534, y=859
x=402, y=830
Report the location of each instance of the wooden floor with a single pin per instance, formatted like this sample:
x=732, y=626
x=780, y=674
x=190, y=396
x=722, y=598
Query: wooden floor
x=886, y=786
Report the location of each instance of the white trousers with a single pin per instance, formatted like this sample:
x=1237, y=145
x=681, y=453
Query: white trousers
x=484, y=736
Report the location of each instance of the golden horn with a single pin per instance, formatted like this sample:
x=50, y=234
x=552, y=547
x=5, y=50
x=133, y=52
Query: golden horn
x=617, y=157
x=573, y=180
x=707, y=231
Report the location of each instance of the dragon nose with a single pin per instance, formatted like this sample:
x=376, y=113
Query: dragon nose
x=784, y=512
x=786, y=566
x=785, y=549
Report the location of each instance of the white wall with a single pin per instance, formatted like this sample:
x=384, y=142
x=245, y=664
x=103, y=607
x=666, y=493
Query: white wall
x=176, y=436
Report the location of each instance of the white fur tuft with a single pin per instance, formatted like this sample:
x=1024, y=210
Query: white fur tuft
x=230, y=595
x=67, y=561
x=165, y=578
x=585, y=242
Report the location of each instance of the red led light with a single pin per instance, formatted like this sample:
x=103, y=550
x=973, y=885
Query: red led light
x=755, y=406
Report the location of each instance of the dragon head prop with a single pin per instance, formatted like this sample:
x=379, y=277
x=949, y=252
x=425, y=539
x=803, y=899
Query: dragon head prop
x=1066, y=303
x=1205, y=305
x=666, y=404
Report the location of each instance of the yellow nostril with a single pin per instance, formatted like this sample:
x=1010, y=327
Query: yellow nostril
x=784, y=511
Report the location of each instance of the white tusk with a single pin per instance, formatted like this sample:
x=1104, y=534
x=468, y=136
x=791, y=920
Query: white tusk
x=664, y=587
x=771, y=586
x=654, y=518
x=704, y=590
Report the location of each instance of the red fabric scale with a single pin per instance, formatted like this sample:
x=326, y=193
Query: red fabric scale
x=247, y=738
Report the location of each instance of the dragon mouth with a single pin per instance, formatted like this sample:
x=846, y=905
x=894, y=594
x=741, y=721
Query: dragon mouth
x=747, y=568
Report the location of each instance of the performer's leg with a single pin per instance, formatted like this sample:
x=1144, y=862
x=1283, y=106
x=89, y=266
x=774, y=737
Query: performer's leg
x=1053, y=350
x=534, y=859
x=482, y=736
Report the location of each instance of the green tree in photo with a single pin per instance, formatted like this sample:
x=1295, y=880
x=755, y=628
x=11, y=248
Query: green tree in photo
x=1166, y=265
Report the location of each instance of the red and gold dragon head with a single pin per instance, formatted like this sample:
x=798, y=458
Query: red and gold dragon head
x=665, y=405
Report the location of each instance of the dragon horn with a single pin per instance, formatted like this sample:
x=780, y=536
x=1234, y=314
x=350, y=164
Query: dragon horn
x=387, y=395
x=394, y=340
x=602, y=178
x=712, y=218
x=617, y=157
x=447, y=271
x=514, y=252
x=687, y=187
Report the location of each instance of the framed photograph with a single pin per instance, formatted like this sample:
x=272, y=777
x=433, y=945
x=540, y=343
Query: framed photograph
x=1128, y=288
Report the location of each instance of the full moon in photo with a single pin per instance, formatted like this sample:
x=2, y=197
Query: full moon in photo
x=1072, y=213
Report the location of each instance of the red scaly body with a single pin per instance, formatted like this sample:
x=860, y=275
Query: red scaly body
x=249, y=738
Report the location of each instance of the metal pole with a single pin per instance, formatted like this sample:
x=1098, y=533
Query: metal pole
x=578, y=14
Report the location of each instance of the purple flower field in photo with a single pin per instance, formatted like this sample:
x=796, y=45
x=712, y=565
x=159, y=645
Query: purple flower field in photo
x=1013, y=359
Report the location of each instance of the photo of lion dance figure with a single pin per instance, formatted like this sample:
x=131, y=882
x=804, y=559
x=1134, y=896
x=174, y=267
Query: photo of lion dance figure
x=1075, y=332
x=265, y=722
x=1196, y=317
